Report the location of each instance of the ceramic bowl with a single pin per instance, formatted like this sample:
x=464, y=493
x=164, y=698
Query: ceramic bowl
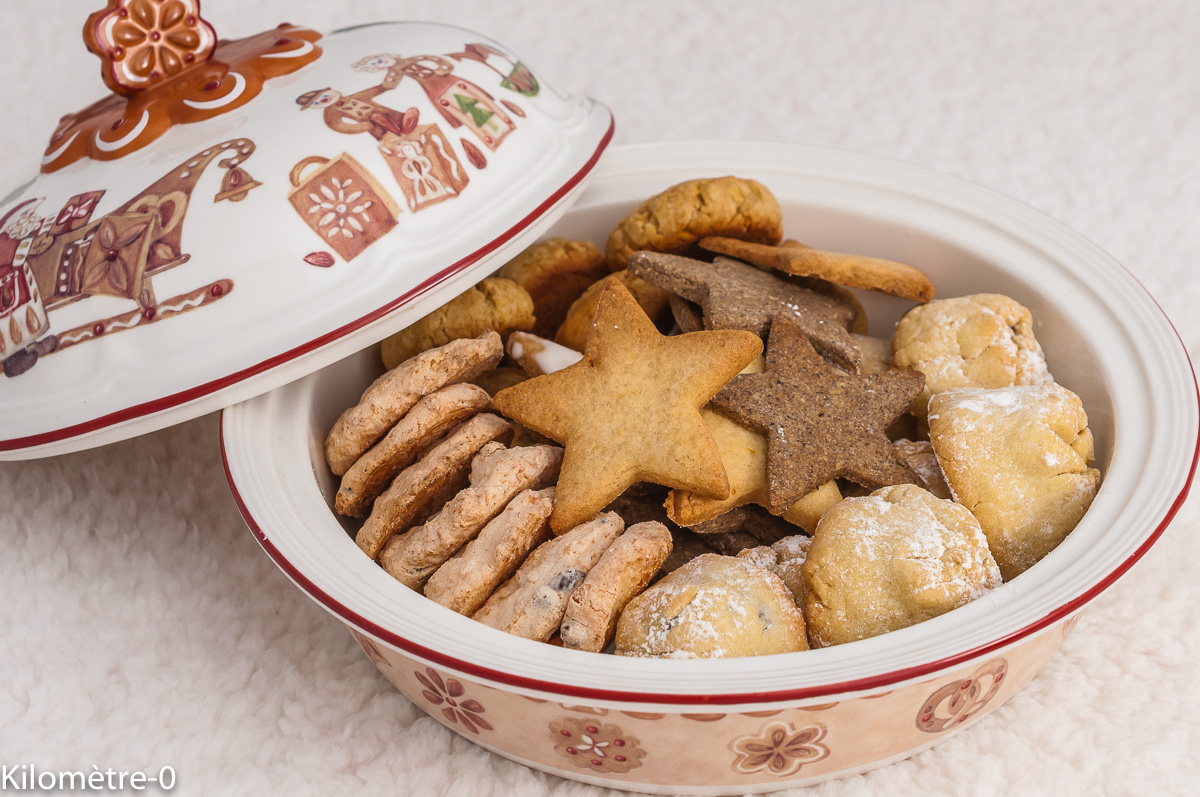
x=724, y=726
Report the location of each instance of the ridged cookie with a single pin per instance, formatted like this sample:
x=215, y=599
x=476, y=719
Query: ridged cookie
x=497, y=474
x=392, y=395
x=428, y=421
x=430, y=482
x=469, y=577
x=531, y=603
x=623, y=571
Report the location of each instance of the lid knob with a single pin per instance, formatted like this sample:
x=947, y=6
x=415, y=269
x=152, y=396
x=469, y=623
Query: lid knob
x=143, y=42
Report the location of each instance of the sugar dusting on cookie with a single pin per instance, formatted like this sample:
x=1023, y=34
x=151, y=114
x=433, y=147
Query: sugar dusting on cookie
x=1017, y=457
x=713, y=606
x=982, y=340
x=891, y=559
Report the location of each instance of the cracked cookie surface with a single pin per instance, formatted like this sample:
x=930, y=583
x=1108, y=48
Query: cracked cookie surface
x=674, y=220
x=1017, y=457
x=712, y=607
x=982, y=340
x=889, y=560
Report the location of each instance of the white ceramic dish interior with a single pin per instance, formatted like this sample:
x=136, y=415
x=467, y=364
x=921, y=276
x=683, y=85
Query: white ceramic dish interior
x=1104, y=338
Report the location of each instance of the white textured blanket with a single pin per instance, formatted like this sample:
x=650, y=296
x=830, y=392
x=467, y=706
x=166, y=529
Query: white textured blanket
x=141, y=626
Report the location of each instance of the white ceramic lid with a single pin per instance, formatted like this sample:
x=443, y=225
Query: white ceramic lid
x=240, y=215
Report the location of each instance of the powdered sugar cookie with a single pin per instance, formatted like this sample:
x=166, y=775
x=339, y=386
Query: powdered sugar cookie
x=1017, y=457
x=983, y=340
x=713, y=606
x=785, y=558
x=890, y=560
x=623, y=572
x=790, y=555
x=760, y=556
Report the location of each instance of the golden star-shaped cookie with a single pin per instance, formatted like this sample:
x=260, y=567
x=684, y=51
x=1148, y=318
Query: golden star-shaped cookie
x=629, y=411
x=820, y=423
x=736, y=295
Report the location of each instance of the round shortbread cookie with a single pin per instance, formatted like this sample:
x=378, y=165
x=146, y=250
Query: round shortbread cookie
x=713, y=606
x=1018, y=458
x=675, y=219
x=497, y=304
x=983, y=340
x=889, y=560
x=554, y=273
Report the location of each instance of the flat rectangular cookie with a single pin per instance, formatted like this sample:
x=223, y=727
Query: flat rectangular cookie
x=590, y=621
x=427, y=422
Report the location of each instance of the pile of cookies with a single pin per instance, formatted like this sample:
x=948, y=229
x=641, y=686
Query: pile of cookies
x=688, y=445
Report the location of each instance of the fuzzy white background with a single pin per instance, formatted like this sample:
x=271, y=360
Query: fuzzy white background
x=140, y=624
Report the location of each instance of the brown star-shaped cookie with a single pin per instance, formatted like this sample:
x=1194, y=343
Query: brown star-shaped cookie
x=736, y=295
x=820, y=423
x=629, y=411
